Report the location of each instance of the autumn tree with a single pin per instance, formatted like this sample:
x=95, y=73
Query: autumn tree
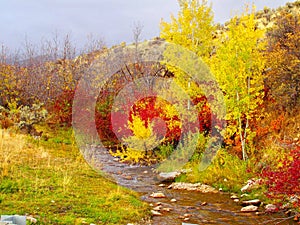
x=283, y=60
x=193, y=28
x=238, y=65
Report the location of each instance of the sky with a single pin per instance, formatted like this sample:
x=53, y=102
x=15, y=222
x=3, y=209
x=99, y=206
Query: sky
x=108, y=20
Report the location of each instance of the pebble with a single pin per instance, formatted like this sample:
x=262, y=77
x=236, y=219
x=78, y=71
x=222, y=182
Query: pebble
x=244, y=195
x=155, y=213
x=161, y=185
x=249, y=208
x=234, y=197
x=157, y=208
x=166, y=209
x=128, y=177
x=173, y=200
x=204, y=221
x=157, y=195
x=236, y=200
x=270, y=208
x=31, y=219
x=203, y=203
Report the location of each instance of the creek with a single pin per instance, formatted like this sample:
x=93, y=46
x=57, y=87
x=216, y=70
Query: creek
x=191, y=207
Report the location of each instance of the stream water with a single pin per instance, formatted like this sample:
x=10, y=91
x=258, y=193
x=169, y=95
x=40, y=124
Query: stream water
x=199, y=208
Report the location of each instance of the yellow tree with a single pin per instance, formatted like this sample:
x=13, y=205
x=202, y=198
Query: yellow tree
x=238, y=65
x=193, y=29
x=8, y=84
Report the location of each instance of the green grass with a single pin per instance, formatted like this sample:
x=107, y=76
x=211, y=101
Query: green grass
x=226, y=171
x=51, y=181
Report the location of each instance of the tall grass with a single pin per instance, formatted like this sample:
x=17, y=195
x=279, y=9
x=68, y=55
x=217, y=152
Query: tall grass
x=226, y=171
x=51, y=181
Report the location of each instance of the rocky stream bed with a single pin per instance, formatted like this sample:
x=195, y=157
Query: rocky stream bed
x=173, y=204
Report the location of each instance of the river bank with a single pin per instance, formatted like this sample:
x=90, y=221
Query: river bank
x=170, y=204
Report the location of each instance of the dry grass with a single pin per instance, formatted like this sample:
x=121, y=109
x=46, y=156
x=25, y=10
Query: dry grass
x=51, y=181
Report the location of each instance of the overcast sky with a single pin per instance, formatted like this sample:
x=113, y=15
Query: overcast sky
x=111, y=20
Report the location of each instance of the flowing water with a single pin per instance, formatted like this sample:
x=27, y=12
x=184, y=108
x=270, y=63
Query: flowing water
x=191, y=207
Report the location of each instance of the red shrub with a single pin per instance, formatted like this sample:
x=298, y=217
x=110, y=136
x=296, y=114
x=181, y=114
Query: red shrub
x=61, y=110
x=284, y=181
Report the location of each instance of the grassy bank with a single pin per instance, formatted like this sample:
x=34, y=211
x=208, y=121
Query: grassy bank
x=51, y=181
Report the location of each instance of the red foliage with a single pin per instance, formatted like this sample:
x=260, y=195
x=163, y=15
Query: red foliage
x=61, y=110
x=204, y=115
x=104, y=127
x=285, y=180
x=276, y=125
x=147, y=109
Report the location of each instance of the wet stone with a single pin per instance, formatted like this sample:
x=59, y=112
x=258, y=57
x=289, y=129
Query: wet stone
x=270, y=208
x=158, y=195
x=249, y=208
x=251, y=202
x=155, y=213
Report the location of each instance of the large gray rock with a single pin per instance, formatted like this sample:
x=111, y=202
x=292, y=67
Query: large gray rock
x=193, y=187
x=17, y=220
x=168, y=176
